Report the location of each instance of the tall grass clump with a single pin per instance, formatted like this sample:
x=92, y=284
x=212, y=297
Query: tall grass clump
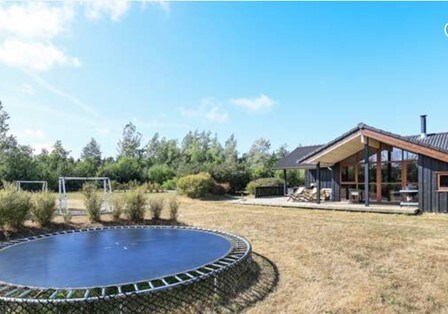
x=118, y=206
x=92, y=202
x=156, y=206
x=14, y=206
x=43, y=208
x=136, y=205
x=174, y=204
x=67, y=216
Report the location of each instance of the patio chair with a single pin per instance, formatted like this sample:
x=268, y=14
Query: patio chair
x=356, y=196
x=326, y=194
x=296, y=195
x=308, y=195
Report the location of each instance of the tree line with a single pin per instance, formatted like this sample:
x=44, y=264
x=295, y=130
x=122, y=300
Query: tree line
x=159, y=160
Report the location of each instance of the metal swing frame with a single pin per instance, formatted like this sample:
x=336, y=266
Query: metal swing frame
x=19, y=184
x=62, y=192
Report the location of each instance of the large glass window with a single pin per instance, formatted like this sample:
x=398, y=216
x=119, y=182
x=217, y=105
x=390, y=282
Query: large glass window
x=390, y=193
x=442, y=181
x=391, y=172
x=345, y=191
x=372, y=173
x=361, y=170
x=409, y=156
x=348, y=173
x=397, y=169
x=412, y=174
x=396, y=154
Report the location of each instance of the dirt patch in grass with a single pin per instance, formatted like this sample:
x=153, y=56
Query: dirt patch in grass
x=334, y=262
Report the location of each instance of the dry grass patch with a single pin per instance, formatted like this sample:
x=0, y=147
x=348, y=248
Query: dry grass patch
x=337, y=262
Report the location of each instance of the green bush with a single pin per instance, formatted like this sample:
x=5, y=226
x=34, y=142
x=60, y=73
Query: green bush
x=195, y=185
x=250, y=188
x=136, y=205
x=156, y=206
x=14, y=206
x=116, y=186
x=118, y=206
x=160, y=173
x=296, y=177
x=170, y=184
x=92, y=202
x=44, y=208
x=174, y=205
x=236, y=175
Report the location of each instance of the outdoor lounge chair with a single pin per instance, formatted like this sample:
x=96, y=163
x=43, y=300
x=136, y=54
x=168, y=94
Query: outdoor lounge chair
x=305, y=195
x=295, y=195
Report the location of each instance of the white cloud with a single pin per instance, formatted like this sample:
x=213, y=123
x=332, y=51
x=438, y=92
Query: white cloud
x=209, y=110
x=35, y=20
x=164, y=4
x=33, y=55
x=36, y=138
x=27, y=89
x=189, y=112
x=53, y=89
x=257, y=104
x=28, y=29
x=31, y=134
x=114, y=8
x=216, y=115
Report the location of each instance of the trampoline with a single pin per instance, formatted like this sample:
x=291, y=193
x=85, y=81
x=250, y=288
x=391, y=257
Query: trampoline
x=102, y=266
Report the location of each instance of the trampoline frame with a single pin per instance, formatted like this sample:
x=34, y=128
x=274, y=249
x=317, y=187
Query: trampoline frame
x=239, y=253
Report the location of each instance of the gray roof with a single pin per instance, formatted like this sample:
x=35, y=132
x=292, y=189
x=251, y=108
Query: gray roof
x=290, y=160
x=436, y=141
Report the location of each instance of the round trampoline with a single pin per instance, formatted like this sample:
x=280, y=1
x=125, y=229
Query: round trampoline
x=103, y=266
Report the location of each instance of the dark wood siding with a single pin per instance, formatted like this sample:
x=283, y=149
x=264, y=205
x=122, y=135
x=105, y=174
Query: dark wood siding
x=430, y=200
x=329, y=179
x=335, y=183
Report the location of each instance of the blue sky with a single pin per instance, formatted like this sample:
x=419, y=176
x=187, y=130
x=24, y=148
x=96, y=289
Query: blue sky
x=294, y=73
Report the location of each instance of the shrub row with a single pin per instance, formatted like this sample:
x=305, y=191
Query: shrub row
x=135, y=203
x=262, y=182
x=17, y=206
x=148, y=187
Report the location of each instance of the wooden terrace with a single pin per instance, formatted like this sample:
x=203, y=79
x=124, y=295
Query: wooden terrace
x=341, y=206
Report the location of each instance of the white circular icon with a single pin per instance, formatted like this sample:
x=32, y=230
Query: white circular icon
x=446, y=29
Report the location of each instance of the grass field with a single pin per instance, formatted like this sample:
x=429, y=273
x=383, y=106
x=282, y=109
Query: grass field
x=339, y=262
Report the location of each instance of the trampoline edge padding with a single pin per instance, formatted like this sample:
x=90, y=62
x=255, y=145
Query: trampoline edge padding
x=222, y=277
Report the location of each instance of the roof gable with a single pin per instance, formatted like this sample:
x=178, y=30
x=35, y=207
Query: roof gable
x=434, y=145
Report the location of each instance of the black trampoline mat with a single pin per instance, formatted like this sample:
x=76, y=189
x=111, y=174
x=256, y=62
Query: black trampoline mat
x=109, y=257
